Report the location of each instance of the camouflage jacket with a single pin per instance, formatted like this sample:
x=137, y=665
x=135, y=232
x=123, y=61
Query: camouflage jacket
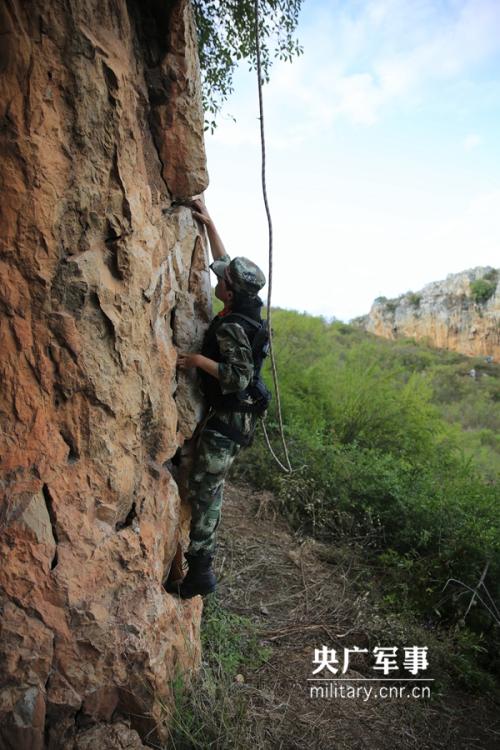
x=236, y=368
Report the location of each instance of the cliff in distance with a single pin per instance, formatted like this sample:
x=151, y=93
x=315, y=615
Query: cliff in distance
x=102, y=275
x=461, y=313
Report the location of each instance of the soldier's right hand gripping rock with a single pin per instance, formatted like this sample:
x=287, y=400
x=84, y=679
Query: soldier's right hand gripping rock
x=229, y=364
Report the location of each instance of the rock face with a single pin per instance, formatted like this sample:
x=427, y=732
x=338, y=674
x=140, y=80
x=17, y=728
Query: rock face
x=101, y=274
x=461, y=313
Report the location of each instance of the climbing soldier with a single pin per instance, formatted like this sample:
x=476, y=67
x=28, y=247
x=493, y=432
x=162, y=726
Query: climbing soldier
x=234, y=347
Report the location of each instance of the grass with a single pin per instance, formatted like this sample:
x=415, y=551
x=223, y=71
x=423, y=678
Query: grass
x=212, y=711
x=297, y=593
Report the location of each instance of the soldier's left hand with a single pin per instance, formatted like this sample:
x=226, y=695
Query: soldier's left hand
x=186, y=361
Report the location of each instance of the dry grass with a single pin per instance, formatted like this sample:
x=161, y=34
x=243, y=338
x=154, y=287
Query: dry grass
x=300, y=594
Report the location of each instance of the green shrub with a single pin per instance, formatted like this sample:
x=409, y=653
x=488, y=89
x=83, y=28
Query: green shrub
x=491, y=275
x=414, y=299
x=393, y=442
x=392, y=304
x=482, y=289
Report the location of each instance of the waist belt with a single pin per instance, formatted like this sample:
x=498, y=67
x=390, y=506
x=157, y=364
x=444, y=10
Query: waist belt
x=214, y=423
x=232, y=403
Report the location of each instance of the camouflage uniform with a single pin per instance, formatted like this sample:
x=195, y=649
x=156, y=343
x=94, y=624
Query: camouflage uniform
x=215, y=452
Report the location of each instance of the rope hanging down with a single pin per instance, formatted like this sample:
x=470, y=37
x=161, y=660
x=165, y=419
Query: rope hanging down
x=287, y=468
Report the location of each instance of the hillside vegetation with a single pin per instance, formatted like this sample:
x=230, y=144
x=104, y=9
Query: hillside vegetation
x=394, y=445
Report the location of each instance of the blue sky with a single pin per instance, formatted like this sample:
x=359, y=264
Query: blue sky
x=383, y=144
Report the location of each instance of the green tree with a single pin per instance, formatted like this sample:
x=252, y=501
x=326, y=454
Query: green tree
x=226, y=35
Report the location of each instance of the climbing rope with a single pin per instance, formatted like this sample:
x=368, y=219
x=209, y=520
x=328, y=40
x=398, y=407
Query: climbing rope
x=287, y=467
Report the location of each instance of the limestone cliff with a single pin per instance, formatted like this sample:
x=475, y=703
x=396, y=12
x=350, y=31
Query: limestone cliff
x=461, y=313
x=101, y=274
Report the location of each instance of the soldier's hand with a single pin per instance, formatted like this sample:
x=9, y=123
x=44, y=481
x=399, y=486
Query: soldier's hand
x=200, y=212
x=186, y=361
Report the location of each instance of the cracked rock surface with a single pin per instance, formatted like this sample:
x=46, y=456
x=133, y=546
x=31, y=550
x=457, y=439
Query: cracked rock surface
x=102, y=277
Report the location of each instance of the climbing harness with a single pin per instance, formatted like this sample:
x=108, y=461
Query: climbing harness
x=287, y=466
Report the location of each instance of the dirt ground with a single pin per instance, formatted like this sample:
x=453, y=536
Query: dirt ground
x=300, y=594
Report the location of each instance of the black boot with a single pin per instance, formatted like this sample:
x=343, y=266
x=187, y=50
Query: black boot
x=200, y=578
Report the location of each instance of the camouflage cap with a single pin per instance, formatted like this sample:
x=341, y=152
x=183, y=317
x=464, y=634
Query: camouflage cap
x=242, y=275
x=219, y=266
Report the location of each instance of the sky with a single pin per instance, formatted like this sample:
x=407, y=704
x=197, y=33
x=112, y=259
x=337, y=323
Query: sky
x=383, y=153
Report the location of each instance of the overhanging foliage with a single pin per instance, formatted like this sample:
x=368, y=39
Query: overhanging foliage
x=226, y=35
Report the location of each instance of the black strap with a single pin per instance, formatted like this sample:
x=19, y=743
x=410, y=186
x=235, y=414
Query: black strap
x=214, y=423
x=252, y=321
x=231, y=402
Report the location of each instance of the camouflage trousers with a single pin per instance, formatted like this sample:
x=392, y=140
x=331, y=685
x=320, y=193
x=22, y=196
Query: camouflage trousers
x=213, y=458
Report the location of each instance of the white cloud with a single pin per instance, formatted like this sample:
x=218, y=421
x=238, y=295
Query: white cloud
x=472, y=141
x=359, y=98
x=477, y=229
x=355, y=65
